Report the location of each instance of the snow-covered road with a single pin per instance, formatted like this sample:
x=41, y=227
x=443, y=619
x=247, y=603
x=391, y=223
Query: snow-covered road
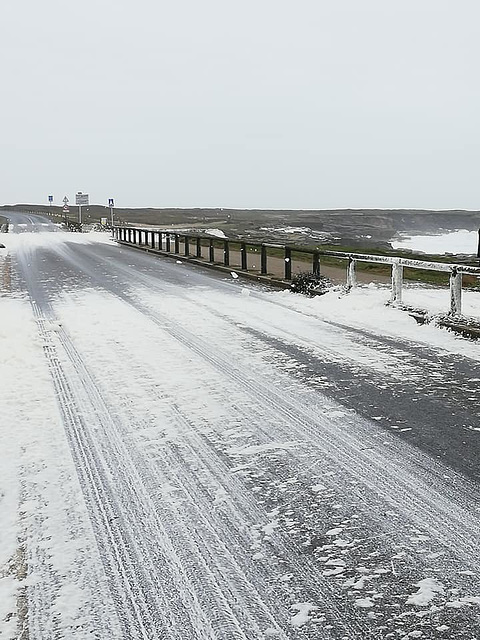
x=185, y=456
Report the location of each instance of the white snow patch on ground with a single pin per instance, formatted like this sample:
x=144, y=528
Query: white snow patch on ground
x=215, y=232
x=364, y=603
x=461, y=241
x=303, y=616
x=304, y=230
x=461, y=602
x=428, y=588
x=334, y=532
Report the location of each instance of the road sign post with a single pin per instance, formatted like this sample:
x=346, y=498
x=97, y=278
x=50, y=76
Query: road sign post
x=111, y=204
x=66, y=209
x=81, y=199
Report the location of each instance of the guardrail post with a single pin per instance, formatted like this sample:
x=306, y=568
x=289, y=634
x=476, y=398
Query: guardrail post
x=187, y=246
x=211, y=250
x=160, y=241
x=168, y=247
x=153, y=239
x=397, y=282
x=243, y=254
x=199, y=247
x=351, y=273
x=316, y=263
x=177, y=242
x=456, y=292
x=288, y=263
x=263, y=260
x=226, y=253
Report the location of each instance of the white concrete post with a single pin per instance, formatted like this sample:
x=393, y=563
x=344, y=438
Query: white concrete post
x=455, y=292
x=397, y=282
x=351, y=274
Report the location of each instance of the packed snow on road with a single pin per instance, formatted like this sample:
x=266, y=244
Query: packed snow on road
x=190, y=456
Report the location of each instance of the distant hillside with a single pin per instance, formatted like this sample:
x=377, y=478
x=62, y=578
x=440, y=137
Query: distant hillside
x=366, y=227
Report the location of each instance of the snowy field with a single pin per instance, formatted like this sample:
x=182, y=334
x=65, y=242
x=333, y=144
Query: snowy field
x=458, y=242
x=186, y=455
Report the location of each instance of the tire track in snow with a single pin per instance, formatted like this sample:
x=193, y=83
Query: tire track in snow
x=372, y=502
x=146, y=608
x=347, y=450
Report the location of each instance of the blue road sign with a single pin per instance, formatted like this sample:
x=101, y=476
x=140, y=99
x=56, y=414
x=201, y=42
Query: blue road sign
x=110, y=202
x=50, y=198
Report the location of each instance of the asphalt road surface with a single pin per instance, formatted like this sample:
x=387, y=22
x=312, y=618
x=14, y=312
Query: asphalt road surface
x=248, y=470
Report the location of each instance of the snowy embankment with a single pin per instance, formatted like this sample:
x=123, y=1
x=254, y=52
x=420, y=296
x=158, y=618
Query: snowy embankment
x=366, y=307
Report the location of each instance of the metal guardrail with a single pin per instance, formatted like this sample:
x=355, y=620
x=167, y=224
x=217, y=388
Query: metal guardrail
x=162, y=240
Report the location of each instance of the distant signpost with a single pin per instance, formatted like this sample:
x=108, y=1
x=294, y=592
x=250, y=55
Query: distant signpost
x=111, y=204
x=81, y=200
x=66, y=208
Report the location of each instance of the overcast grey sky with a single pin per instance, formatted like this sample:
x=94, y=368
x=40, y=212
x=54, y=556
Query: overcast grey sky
x=242, y=103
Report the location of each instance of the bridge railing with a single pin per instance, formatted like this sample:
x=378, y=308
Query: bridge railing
x=193, y=245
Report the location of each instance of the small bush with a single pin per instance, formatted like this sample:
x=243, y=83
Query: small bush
x=310, y=284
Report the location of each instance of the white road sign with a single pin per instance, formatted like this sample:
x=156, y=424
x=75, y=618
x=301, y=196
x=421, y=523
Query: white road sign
x=81, y=198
